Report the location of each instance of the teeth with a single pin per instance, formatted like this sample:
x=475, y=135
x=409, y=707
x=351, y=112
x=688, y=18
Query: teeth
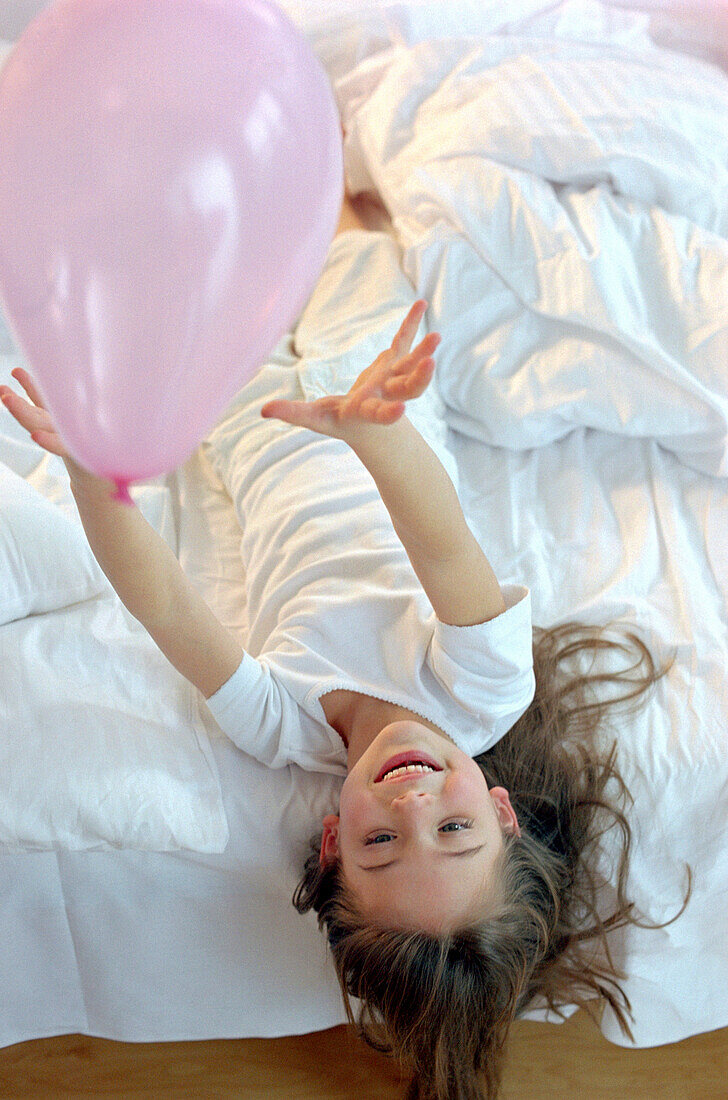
x=404, y=769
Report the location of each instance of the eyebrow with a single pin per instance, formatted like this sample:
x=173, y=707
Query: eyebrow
x=444, y=855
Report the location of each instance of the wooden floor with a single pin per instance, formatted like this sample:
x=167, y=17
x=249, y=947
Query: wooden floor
x=546, y=1062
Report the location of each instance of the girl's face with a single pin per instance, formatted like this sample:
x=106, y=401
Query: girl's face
x=418, y=847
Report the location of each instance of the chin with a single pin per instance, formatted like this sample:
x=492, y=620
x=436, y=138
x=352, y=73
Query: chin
x=409, y=729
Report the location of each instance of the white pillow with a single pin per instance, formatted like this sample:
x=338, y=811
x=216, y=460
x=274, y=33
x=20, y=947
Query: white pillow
x=45, y=560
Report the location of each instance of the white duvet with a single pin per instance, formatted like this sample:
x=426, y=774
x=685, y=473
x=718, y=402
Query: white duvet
x=563, y=203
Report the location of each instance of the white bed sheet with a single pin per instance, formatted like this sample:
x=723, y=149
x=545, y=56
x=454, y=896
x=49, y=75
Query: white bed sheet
x=103, y=744
x=137, y=945
x=146, y=946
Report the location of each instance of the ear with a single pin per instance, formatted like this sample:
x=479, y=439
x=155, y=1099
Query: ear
x=506, y=813
x=330, y=840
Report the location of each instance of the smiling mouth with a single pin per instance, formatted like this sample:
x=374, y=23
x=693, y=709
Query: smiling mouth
x=407, y=763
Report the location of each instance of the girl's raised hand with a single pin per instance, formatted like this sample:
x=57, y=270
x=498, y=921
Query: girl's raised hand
x=32, y=414
x=379, y=394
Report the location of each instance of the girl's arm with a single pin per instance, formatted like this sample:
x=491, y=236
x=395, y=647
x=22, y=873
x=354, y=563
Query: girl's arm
x=138, y=562
x=413, y=484
x=429, y=521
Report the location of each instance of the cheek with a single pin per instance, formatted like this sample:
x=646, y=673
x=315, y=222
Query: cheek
x=354, y=810
x=468, y=783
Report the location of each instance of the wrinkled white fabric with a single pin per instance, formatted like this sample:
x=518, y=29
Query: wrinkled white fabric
x=563, y=204
x=45, y=559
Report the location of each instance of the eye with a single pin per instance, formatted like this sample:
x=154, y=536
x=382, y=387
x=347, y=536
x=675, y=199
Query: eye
x=456, y=826
x=380, y=838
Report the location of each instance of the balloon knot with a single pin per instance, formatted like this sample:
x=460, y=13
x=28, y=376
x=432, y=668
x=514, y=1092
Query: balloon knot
x=122, y=491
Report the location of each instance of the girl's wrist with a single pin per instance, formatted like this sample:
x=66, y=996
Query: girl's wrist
x=84, y=482
x=366, y=439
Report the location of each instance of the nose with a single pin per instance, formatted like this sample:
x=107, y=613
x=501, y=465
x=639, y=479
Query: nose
x=411, y=801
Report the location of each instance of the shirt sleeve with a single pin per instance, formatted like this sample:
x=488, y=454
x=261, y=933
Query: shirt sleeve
x=263, y=719
x=488, y=668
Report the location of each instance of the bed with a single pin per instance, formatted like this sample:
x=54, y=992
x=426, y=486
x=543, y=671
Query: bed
x=554, y=178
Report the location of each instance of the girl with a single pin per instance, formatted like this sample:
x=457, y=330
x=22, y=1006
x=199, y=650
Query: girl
x=452, y=883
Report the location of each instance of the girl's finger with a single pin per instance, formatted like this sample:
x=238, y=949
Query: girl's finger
x=49, y=441
x=281, y=410
x=413, y=383
x=30, y=417
x=28, y=385
x=35, y=420
x=316, y=415
x=377, y=411
x=424, y=349
x=406, y=334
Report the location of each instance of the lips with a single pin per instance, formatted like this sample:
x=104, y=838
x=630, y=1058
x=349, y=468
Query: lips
x=412, y=756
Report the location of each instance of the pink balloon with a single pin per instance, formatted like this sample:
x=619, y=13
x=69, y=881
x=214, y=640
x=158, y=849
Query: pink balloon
x=170, y=181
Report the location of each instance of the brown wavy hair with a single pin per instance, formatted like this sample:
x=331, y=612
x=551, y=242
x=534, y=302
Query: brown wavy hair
x=443, y=1004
